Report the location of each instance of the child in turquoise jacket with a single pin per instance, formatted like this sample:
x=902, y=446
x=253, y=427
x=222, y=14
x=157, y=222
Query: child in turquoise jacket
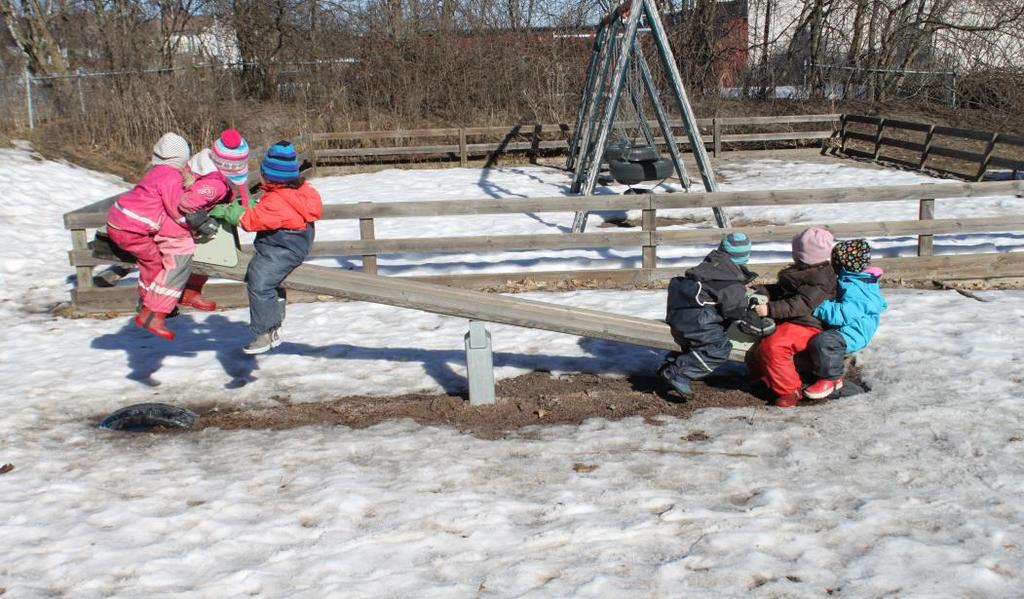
x=853, y=317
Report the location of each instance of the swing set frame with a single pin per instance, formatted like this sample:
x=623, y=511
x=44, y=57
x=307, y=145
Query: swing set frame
x=616, y=49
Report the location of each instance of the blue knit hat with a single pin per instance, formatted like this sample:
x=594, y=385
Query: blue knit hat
x=737, y=245
x=281, y=164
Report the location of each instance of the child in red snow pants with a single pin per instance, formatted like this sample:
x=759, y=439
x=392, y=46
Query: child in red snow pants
x=772, y=359
x=164, y=263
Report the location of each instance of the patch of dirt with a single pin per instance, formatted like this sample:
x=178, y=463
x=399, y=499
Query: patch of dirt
x=530, y=399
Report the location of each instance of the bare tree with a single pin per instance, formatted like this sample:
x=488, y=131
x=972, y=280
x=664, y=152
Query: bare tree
x=31, y=24
x=260, y=29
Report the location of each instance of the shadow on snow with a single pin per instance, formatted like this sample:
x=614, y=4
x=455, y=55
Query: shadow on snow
x=225, y=338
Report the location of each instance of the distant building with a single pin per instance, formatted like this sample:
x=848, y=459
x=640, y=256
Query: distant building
x=206, y=38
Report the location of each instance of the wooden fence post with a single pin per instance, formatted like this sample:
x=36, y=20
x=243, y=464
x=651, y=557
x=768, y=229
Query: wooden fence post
x=649, y=224
x=313, y=149
x=927, y=147
x=842, y=134
x=535, y=144
x=878, y=138
x=986, y=157
x=365, y=234
x=463, y=150
x=80, y=241
x=716, y=133
x=924, y=242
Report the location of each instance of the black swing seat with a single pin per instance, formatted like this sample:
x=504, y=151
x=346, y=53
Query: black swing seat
x=631, y=164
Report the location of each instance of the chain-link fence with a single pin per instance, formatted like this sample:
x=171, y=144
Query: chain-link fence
x=424, y=82
x=917, y=86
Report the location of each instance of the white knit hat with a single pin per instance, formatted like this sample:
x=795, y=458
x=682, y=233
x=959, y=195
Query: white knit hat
x=171, y=150
x=202, y=163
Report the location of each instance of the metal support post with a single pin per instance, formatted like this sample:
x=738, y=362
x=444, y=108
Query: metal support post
x=81, y=95
x=663, y=122
x=675, y=79
x=28, y=100
x=479, y=364
x=611, y=107
x=598, y=97
x=585, y=98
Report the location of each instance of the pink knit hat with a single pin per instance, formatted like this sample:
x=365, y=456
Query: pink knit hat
x=231, y=155
x=813, y=246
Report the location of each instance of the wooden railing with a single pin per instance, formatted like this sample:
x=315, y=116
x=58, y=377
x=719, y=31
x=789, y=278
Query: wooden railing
x=648, y=239
x=962, y=153
x=464, y=143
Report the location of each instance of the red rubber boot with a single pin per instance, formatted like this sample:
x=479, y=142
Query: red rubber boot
x=788, y=400
x=154, y=323
x=193, y=295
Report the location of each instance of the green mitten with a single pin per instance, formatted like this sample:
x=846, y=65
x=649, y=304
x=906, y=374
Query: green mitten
x=229, y=213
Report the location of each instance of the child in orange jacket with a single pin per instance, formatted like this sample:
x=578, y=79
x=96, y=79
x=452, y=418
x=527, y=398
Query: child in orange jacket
x=283, y=222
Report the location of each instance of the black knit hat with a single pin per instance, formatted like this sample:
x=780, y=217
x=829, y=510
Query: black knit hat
x=853, y=255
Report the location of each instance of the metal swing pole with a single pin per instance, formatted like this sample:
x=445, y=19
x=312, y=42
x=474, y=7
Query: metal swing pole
x=586, y=97
x=596, y=102
x=659, y=114
x=668, y=62
x=618, y=78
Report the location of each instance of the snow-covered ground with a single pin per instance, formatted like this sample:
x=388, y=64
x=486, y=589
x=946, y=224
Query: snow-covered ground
x=913, y=490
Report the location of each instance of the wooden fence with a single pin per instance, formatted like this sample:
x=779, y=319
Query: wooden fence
x=962, y=153
x=648, y=239
x=464, y=143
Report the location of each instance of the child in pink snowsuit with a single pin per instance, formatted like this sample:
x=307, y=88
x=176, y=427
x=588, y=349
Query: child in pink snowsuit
x=140, y=222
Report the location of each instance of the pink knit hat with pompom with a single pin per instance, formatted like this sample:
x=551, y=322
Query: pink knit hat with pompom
x=231, y=155
x=813, y=246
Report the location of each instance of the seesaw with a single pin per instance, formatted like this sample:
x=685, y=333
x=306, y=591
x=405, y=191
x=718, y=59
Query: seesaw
x=221, y=257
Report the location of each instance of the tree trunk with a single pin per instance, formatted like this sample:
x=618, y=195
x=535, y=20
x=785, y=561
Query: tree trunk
x=766, y=78
x=853, y=57
x=817, y=19
x=30, y=29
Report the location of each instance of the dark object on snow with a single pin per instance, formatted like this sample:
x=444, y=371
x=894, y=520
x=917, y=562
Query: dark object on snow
x=142, y=417
x=6, y=468
x=850, y=388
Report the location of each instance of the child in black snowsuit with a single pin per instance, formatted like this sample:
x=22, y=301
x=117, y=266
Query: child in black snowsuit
x=701, y=306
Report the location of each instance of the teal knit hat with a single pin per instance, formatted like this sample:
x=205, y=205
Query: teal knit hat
x=737, y=245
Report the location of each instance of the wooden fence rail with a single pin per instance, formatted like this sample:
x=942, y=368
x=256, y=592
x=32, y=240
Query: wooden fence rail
x=648, y=238
x=534, y=138
x=970, y=148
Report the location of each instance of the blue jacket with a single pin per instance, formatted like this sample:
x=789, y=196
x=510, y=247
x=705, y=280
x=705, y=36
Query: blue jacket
x=856, y=309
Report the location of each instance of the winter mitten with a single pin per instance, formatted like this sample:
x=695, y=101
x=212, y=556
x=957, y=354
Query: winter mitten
x=203, y=227
x=229, y=213
x=754, y=325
